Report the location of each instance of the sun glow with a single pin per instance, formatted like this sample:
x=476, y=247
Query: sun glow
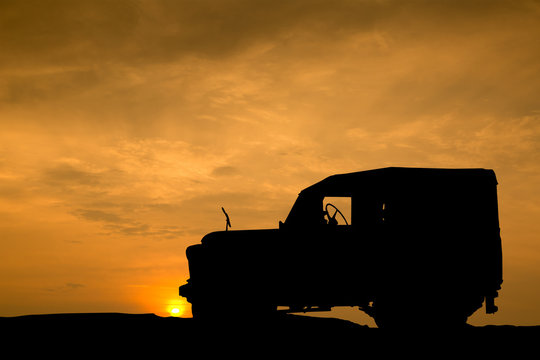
x=177, y=308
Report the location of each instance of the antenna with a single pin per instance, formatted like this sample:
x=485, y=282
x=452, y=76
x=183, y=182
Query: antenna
x=228, y=225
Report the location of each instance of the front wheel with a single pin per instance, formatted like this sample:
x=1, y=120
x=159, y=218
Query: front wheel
x=220, y=312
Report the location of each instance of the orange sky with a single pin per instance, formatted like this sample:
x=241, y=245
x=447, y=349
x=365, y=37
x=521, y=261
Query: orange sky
x=126, y=125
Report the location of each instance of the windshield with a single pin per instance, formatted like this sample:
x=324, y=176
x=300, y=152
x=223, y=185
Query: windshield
x=306, y=211
x=311, y=210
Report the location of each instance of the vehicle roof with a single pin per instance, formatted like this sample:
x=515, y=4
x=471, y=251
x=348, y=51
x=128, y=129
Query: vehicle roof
x=394, y=176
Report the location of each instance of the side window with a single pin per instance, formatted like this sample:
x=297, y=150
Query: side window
x=344, y=206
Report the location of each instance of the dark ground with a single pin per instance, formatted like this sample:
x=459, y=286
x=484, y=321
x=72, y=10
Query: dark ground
x=287, y=335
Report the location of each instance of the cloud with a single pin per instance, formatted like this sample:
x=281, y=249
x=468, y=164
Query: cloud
x=62, y=32
x=112, y=223
x=216, y=73
x=67, y=175
x=74, y=285
x=136, y=32
x=225, y=171
x=454, y=141
x=99, y=215
x=67, y=287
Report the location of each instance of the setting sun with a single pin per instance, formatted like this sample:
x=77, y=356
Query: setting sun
x=177, y=308
x=175, y=311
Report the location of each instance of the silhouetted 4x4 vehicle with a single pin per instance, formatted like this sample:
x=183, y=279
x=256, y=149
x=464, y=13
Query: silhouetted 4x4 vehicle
x=408, y=246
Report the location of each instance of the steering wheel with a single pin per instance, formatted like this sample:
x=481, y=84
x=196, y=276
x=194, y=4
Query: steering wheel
x=332, y=219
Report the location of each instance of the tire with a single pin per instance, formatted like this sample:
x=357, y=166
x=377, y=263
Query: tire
x=227, y=312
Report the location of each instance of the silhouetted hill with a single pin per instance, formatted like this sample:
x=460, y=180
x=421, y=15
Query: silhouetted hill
x=134, y=333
